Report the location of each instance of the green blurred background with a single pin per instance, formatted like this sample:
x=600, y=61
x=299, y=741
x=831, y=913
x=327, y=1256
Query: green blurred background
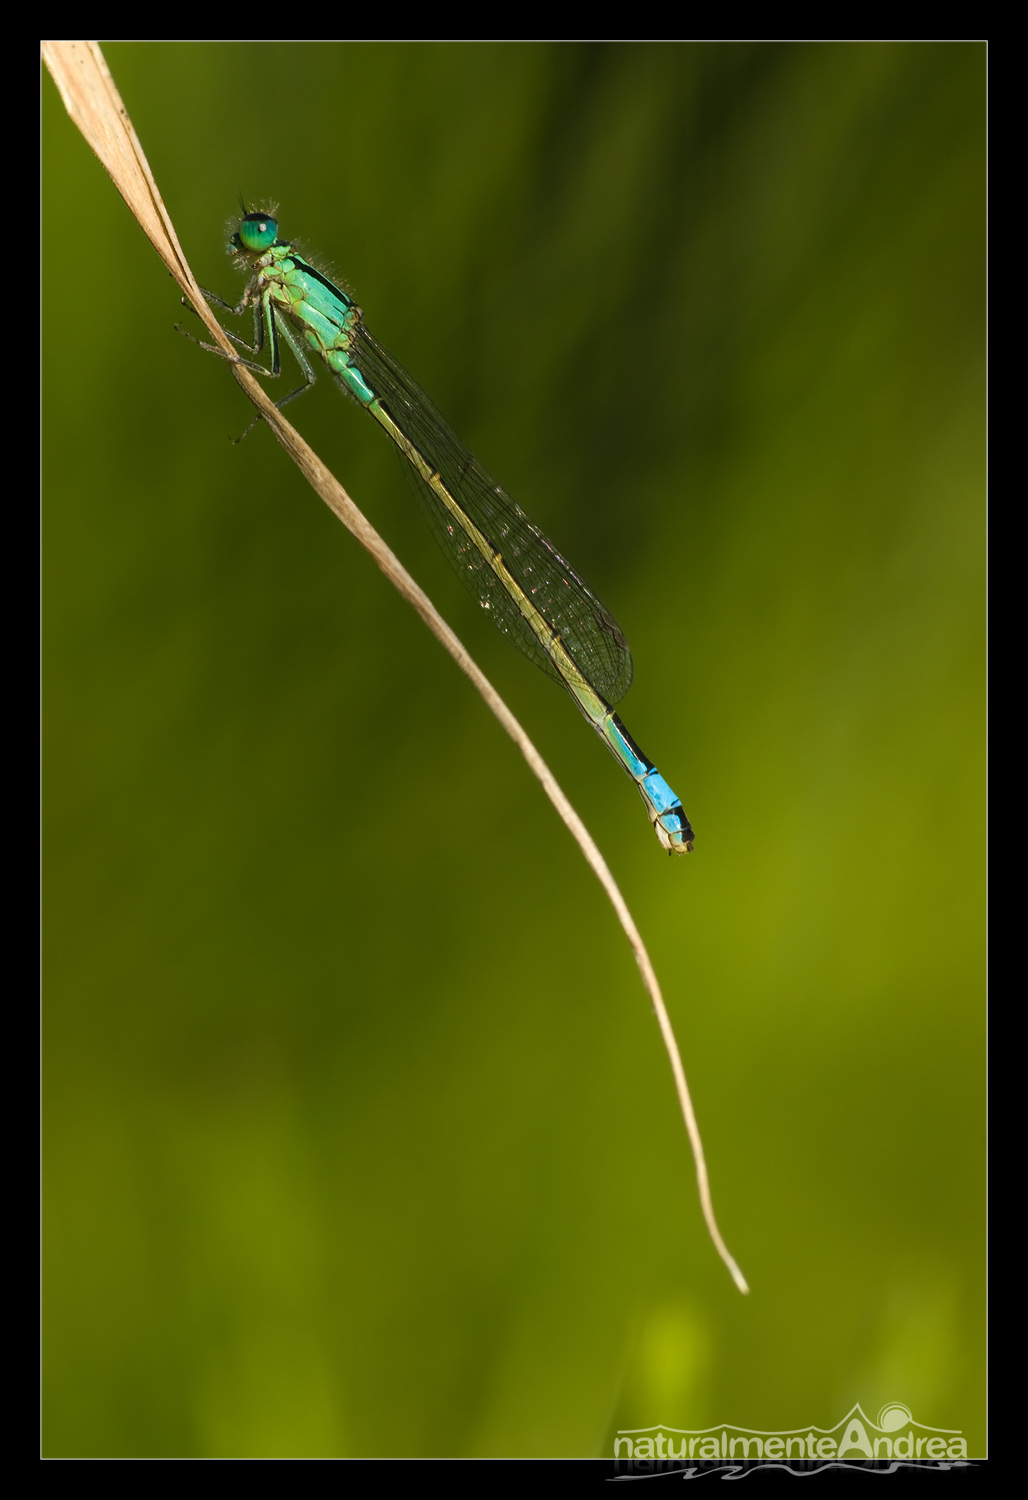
x=359, y=1137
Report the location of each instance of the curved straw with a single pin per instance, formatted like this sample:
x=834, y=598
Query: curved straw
x=93, y=102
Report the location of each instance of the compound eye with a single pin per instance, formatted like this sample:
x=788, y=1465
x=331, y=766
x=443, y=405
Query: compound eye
x=257, y=232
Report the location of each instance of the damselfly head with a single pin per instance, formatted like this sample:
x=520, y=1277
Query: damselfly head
x=254, y=232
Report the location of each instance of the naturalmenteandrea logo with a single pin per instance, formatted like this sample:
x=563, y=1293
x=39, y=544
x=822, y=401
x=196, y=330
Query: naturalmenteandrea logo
x=895, y=1435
